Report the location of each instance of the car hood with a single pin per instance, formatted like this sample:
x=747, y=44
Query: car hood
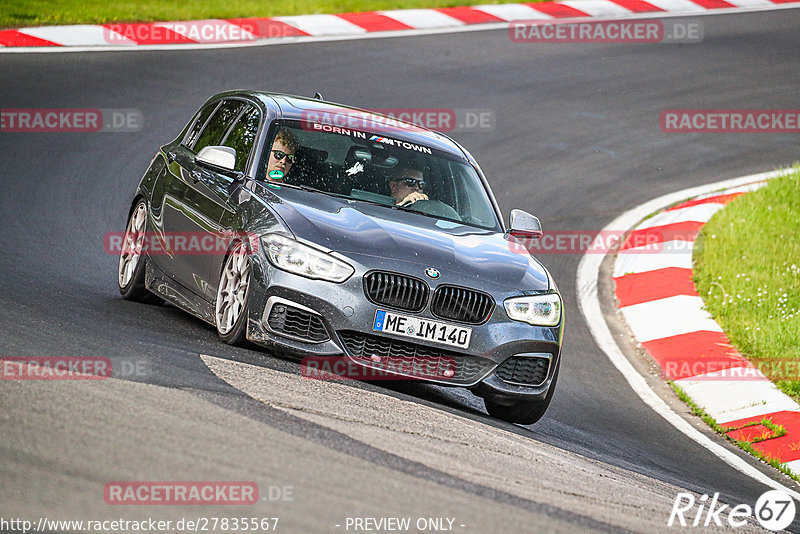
x=379, y=237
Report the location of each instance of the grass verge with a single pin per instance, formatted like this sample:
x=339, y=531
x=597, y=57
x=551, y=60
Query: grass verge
x=747, y=269
x=22, y=13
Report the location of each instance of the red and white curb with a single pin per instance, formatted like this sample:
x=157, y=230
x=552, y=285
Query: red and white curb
x=662, y=308
x=659, y=303
x=279, y=29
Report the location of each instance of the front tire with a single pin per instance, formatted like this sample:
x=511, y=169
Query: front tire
x=131, y=269
x=522, y=412
x=233, y=292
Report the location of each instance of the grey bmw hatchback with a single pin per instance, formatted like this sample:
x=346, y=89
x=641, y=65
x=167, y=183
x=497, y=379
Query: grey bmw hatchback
x=331, y=233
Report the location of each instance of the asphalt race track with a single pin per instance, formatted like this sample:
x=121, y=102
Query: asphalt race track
x=577, y=141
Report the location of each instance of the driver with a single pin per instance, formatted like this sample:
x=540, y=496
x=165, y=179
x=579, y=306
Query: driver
x=406, y=186
x=283, y=154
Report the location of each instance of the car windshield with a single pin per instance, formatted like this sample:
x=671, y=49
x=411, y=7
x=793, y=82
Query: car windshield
x=382, y=170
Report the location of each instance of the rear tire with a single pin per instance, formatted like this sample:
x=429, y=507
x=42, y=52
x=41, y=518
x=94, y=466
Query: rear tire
x=233, y=293
x=131, y=269
x=523, y=412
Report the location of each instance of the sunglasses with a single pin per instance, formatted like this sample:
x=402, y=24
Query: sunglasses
x=279, y=155
x=411, y=182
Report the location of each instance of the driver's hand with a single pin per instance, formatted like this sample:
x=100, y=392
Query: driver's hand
x=412, y=197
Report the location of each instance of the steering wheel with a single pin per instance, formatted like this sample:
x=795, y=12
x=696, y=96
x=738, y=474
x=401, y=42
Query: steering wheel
x=437, y=208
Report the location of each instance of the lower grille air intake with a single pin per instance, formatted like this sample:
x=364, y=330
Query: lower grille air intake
x=297, y=323
x=524, y=370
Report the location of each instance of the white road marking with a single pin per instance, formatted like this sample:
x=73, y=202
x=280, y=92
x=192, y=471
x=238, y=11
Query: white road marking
x=83, y=35
x=685, y=6
x=598, y=8
x=731, y=400
x=668, y=317
x=322, y=25
x=422, y=18
x=512, y=12
x=699, y=213
x=644, y=259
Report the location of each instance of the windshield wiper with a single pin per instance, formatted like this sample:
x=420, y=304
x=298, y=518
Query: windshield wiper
x=304, y=188
x=408, y=207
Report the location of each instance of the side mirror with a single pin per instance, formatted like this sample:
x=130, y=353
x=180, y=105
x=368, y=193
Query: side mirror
x=523, y=224
x=217, y=157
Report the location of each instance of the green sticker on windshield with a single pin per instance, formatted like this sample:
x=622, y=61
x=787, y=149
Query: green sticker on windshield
x=275, y=175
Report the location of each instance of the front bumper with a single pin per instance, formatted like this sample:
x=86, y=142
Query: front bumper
x=346, y=314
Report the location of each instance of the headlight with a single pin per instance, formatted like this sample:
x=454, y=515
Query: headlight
x=539, y=310
x=290, y=255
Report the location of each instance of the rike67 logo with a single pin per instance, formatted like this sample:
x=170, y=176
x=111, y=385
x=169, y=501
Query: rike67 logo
x=774, y=510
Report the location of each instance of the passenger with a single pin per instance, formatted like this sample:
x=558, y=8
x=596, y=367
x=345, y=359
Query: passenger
x=282, y=154
x=406, y=186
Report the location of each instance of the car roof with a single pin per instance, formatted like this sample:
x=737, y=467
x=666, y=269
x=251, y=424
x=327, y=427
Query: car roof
x=295, y=107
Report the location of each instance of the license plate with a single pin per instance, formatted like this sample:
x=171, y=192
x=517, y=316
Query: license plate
x=422, y=329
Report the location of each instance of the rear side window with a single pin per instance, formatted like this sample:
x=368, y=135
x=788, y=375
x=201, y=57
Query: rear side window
x=201, y=120
x=220, y=122
x=243, y=134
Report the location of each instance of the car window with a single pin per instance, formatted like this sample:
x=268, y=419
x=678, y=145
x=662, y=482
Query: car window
x=200, y=121
x=372, y=167
x=471, y=196
x=242, y=135
x=220, y=122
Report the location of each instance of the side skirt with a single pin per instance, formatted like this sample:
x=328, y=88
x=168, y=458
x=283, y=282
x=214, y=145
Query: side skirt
x=174, y=293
